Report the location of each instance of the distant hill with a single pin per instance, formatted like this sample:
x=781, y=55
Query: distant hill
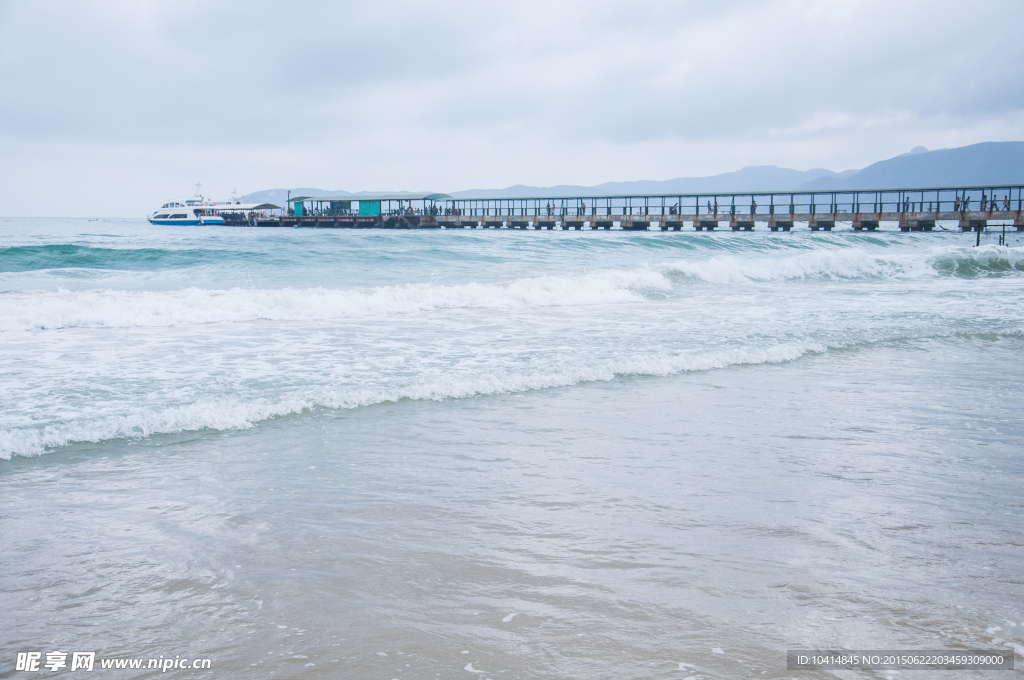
x=762, y=177
x=279, y=196
x=758, y=177
x=985, y=163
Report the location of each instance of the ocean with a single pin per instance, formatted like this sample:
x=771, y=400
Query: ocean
x=506, y=454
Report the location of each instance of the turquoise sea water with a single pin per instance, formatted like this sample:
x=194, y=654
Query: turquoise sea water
x=505, y=453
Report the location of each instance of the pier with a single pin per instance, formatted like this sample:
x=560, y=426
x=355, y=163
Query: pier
x=971, y=208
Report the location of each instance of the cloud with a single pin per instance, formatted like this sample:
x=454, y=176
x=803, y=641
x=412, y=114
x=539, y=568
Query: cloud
x=116, y=106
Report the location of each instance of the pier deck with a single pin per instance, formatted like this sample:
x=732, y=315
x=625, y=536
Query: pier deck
x=906, y=222
x=910, y=210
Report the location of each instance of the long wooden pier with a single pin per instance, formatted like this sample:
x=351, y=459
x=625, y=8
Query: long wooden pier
x=906, y=221
x=910, y=210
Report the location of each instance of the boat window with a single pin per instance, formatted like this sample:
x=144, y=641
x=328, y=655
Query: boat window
x=160, y=217
x=175, y=217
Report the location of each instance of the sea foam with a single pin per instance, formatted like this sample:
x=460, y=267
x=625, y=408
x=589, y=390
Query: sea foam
x=854, y=263
x=39, y=310
x=233, y=412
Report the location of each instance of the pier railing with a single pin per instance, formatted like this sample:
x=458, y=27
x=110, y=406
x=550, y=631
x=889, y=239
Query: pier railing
x=918, y=209
x=763, y=203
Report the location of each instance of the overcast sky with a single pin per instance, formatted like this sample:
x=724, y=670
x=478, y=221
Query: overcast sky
x=110, y=108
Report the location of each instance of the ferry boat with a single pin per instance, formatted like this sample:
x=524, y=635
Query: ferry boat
x=198, y=210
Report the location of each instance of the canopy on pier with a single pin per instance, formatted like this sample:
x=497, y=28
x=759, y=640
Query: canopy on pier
x=245, y=206
x=375, y=197
x=369, y=204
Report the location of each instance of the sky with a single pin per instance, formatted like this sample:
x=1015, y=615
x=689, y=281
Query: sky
x=112, y=108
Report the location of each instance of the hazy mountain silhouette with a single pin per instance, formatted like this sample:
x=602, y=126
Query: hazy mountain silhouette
x=985, y=163
x=756, y=177
x=977, y=164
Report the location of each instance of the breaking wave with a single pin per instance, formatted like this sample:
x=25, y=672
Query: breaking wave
x=109, y=308
x=983, y=261
x=61, y=309
x=233, y=413
x=69, y=256
x=855, y=263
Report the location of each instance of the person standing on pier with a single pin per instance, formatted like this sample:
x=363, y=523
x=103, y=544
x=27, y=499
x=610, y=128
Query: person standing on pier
x=753, y=207
x=956, y=204
x=1006, y=202
x=716, y=206
x=984, y=202
x=709, y=206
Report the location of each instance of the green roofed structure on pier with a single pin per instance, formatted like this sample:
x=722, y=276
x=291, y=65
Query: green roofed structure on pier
x=367, y=204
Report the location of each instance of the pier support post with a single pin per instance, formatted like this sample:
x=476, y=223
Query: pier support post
x=741, y=222
x=971, y=222
x=917, y=222
x=637, y=223
x=634, y=223
x=818, y=224
x=870, y=222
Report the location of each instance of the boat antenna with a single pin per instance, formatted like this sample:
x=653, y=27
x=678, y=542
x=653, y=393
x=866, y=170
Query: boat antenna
x=198, y=186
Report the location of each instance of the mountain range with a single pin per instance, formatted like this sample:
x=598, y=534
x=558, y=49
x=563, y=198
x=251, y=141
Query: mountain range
x=978, y=164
